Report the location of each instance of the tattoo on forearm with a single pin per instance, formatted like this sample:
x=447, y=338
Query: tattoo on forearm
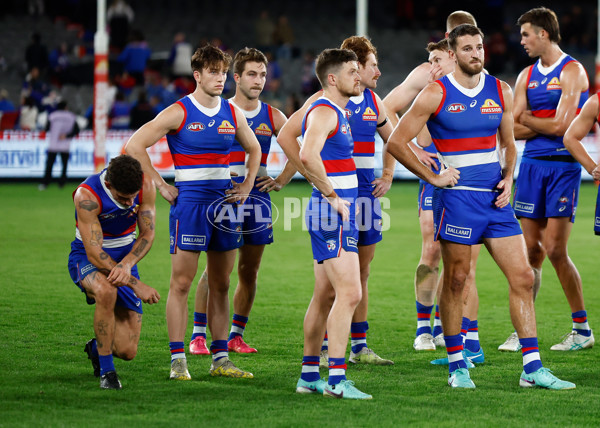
x=132, y=280
x=102, y=326
x=97, y=237
x=147, y=219
x=141, y=246
x=139, y=318
x=88, y=205
x=104, y=256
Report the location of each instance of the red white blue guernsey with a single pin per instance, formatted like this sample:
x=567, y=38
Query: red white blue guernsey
x=118, y=222
x=200, y=150
x=362, y=114
x=464, y=129
x=543, y=94
x=337, y=153
x=261, y=123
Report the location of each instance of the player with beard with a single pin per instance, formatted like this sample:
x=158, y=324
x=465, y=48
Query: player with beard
x=465, y=111
x=548, y=96
x=426, y=275
x=366, y=116
x=250, y=73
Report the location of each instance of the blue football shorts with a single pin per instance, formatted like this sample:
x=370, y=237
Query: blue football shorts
x=257, y=219
x=328, y=233
x=196, y=226
x=80, y=267
x=368, y=219
x=467, y=217
x=425, y=196
x=547, y=189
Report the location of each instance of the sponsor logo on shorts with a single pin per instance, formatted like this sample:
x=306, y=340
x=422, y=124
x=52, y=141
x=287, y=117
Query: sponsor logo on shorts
x=561, y=209
x=228, y=217
x=524, y=207
x=563, y=200
x=264, y=130
x=193, y=239
x=87, y=268
x=226, y=128
x=330, y=244
x=351, y=242
x=172, y=240
x=490, y=106
x=597, y=222
x=428, y=201
x=553, y=84
x=195, y=127
x=456, y=108
x=459, y=232
x=533, y=84
x=369, y=114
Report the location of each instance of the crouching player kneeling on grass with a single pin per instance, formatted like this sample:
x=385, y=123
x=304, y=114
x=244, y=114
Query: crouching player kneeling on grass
x=327, y=158
x=104, y=255
x=473, y=206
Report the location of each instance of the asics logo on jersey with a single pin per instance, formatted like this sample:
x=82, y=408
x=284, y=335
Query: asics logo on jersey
x=533, y=84
x=211, y=123
x=544, y=80
x=473, y=103
x=456, y=108
x=250, y=123
x=357, y=110
x=195, y=127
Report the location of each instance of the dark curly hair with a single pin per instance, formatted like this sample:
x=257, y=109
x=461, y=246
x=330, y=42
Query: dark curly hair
x=124, y=173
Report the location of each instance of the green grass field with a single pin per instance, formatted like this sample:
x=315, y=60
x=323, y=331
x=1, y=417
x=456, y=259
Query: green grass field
x=46, y=379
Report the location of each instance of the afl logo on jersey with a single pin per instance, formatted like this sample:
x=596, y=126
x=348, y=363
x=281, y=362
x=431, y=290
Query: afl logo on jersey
x=195, y=127
x=456, y=108
x=533, y=84
x=369, y=114
x=226, y=128
x=490, y=106
x=553, y=84
x=263, y=129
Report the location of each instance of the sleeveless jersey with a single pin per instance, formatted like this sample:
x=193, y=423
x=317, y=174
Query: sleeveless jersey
x=464, y=129
x=362, y=115
x=337, y=153
x=261, y=123
x=543, y=95
x=200, y=150
x=118, y=221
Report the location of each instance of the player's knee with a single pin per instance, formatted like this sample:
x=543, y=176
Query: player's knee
x=181, y=284
x=536, y=254
x=105, y=294
x=126, y=353
x=248, y=274
x=456, y=281
x=556, y=253
x=431, y=254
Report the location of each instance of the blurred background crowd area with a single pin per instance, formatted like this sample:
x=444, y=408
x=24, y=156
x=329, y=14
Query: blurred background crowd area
x=47, y=47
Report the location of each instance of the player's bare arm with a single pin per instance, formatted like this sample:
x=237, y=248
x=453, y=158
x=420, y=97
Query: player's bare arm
x=402, y=95
x=168, y=120
x=244, y=135
x=409, y=127
x=573, y=80
x=579, y=128
x=507, y=144
x=522, y=132
x=320, y=123
x=266, y=183
x=385, y=129
x=146, y=219
x=289, y=133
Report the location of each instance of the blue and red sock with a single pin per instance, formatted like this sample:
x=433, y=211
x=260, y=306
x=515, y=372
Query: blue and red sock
x=238, y=324
x=437, y=322
x=423, y=319
x=337, y=370
x=454, y=347
x=580, y=323
x=472, y=340
x=325, y=344
x=177, y=350
x=358, y=335
x=310, y=368
x=200, y=322
x=218, y=349
x=531, y=354
x=464, y=328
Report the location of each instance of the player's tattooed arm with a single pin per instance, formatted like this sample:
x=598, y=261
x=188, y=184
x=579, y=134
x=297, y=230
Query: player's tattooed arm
x=88, y=205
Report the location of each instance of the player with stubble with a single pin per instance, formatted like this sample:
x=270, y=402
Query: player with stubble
x=472, y=206
x=200, y=129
